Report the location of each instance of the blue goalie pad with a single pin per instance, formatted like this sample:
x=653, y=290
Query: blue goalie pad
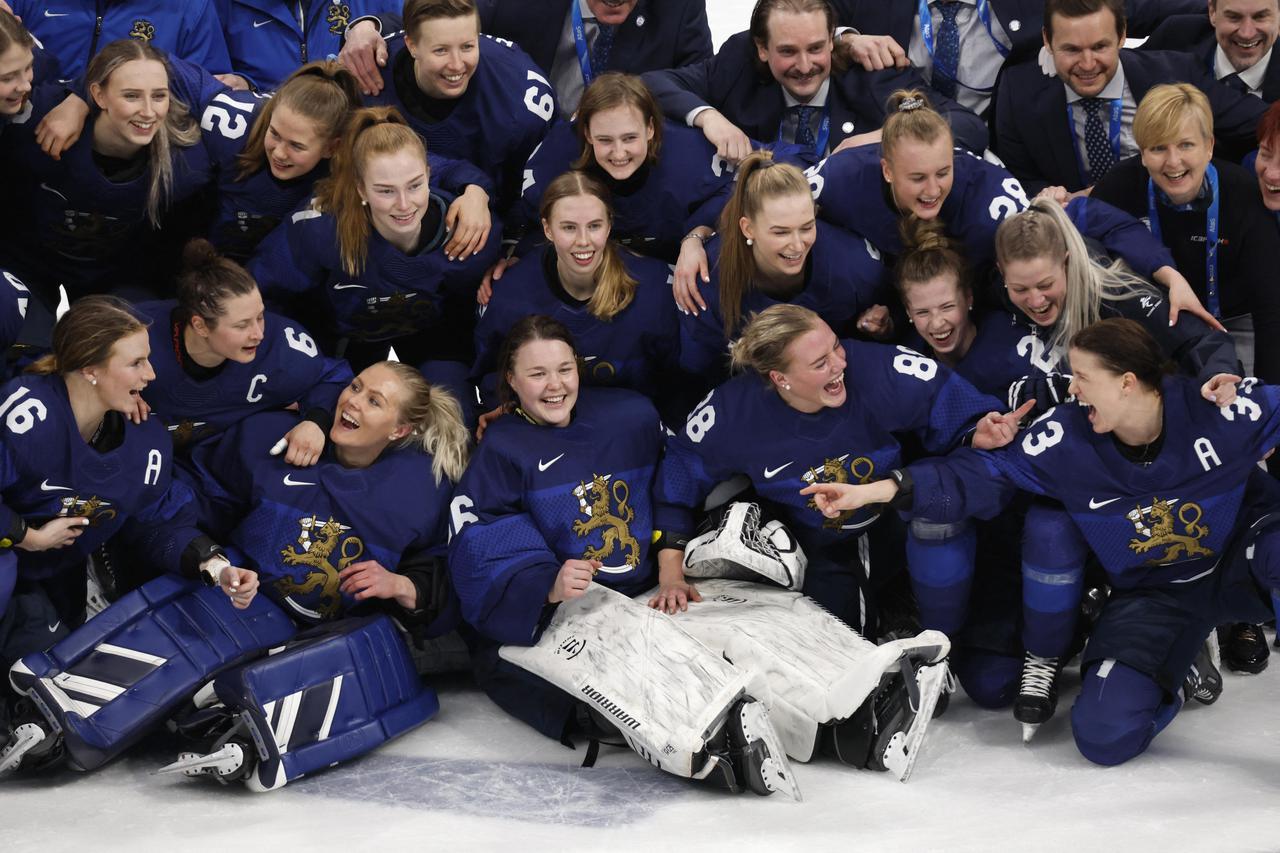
x=335, y=693
x=106, y=685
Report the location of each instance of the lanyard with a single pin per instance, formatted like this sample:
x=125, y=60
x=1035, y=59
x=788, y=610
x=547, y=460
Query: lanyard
x=984, y=15
x=580, y=42
x=1210, y=236
x=824, y=129
x=1113, y=135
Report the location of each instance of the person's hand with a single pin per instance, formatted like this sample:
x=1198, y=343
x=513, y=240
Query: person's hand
x=1220, y=389
x=876, y=322
x=871, y=137
x=831, y=499
x=485, y=291
x=874, y=53
x=731, y=143
x=233, y=81
x=8, y=8
x=1183, y=298
x=572, y=580
x=1055, y=193
x=240, y=585
x=364, y=53
x=996, y=430
x=141, y=409
x=371, y=579
x=53, y=534
x=302, y=444
x=690, y=266
x=468, y=221
x=63, y=125
x=674, y=596
x=487, y=418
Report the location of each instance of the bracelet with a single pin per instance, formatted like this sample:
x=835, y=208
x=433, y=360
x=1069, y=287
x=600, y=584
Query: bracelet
x=695, y=235
x=211, y=569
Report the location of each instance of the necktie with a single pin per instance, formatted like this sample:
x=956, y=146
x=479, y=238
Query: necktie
x=946, y=57
x=804, y=126
x=1096, y=142
x=1234, y=81
x=601, y=47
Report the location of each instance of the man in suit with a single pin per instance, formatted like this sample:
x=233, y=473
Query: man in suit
x=986, y=33
x=1234, y=41
x=572, y=41
x=1065, y=120
x=781, y=82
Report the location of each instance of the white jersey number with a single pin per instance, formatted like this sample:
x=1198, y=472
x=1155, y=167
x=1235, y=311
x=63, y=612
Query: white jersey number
x=1035, y=443
x=701, y=421
x=219, y=118
x=22, y=416
x=1014, y=200
x=539, y=101
x=302, y=342
x=914, y=364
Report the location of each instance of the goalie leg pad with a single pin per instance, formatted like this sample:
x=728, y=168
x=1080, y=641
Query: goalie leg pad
x=112, y=679
x=670, y=696
x=334, y=693
x=810, y=669
x=741, y=547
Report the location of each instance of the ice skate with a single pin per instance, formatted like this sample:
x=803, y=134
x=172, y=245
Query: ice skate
x=1203, y=681
x=1038, y=695
x=31, y=742
x=230, y=756
x=756, y=753
x=1244, y=647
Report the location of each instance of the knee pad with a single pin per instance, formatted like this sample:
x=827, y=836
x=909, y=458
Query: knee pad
x=335, y=692
x=1118, y=712
x=112, y=679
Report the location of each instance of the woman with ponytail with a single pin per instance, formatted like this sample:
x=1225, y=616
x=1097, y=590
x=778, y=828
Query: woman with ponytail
x=371, y=250
x=219, y=357
x=771, y=249
x=614, y=302
x=271, y=152
x=76, y=472
x=915, y=171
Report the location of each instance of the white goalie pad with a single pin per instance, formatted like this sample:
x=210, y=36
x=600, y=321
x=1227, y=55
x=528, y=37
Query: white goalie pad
x=807, y=666
x=742, y=548
x=666, y=692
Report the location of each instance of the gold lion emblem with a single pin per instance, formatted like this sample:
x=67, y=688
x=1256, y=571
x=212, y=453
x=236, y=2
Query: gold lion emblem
x=834, y=471
x=1157, y=524
x=338, y=17
x=143, y=30
x=593, y=502
x=95, y=509
x=317, y=542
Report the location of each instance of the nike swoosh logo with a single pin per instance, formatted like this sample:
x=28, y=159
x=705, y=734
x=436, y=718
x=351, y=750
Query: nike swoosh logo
x=257, y=24
x=769, y=474
x=542, y=466
x=49, y=14
x=54, y=627
x=45, y=487
x=289, y=481
x=1100, y=504
x=349, y=286
x=52, y=190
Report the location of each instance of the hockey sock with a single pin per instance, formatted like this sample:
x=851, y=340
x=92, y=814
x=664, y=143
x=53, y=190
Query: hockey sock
x=940, y=558
x=1053, y=556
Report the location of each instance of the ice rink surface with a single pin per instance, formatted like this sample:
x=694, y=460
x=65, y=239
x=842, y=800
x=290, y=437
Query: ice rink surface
x=474, y=779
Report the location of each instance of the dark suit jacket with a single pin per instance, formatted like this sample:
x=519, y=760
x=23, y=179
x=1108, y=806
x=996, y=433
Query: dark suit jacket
x=1193, y=34
x=748, y=96
x=658, y=33
x=1036, y=143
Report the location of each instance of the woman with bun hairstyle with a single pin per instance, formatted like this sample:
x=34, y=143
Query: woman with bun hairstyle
x=219, y=357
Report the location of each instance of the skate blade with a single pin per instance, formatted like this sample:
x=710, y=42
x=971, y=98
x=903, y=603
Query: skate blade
x=1029, y=731
x=25, y=738
x=776, y=769
x=899, y=758
x=225, y=761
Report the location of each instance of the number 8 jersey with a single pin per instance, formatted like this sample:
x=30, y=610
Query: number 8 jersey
x=744, y=427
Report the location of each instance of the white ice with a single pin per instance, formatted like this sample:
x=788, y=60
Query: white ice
x=475, y=779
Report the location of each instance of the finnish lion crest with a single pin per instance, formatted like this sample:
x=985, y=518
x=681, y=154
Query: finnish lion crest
x=338, y=18
x=1157, y=525
x=594, y=501
x=834, y=471
x=317, y=542
x=94, y=508
x=143, y=30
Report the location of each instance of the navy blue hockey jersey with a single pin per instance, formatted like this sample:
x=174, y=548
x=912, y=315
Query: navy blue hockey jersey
x=686, y=187
x=1166, y=521
x=843, y=277
x=535, y=496
x=744, y=427
x=288, y=368
x=1003, y=351
x=633, y=350
x=48, y=470
x=13, y=308
x=298, y=527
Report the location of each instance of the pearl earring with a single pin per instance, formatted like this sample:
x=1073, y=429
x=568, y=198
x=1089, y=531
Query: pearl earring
x=750, y=242
x=786, y=386
x=93, y=380
x=364, y=203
